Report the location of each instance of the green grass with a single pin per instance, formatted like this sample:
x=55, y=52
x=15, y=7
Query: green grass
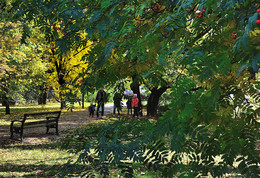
x=36, y=107
x=18, y=111
x=23, y=160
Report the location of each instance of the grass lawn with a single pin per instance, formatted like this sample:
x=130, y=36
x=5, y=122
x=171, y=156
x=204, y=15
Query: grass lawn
x=23, y=160
x=43, y=158
x=47, y=156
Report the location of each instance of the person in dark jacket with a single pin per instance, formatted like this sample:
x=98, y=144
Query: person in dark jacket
x=117, y=103
x=101, y=99
x=129, y=106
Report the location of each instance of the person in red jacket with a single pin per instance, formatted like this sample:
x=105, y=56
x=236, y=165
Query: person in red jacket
x=135, y=105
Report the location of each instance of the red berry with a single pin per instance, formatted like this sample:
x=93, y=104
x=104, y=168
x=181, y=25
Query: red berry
x=201, y=13
x=197, y=16
x=200, y=16
x=234, y=32
x=258, y=21
x=204, y=10
x=234, y=36
x=127, y=24
x=155, y=8
x=258, y=10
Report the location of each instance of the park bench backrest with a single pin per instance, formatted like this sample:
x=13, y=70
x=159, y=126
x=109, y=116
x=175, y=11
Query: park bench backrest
x=50, y=113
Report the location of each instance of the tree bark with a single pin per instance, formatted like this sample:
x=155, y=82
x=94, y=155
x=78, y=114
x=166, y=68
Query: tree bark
x=82, y=99
x=7, y=109
x=62, y=101
x=62, y=104
x=6, y=104
x=42, y=96
x=153, y=100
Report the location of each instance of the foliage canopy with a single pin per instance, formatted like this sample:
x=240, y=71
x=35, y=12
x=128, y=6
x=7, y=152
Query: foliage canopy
x=213, y=48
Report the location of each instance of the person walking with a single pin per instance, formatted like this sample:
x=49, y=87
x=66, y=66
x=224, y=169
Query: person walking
x=129, y=106
x=100, y=99
x=135, y=102
x=117, y=103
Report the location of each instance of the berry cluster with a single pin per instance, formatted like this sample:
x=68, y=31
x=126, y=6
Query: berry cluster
x=53, y=45
x=156, y=7
x=200, y=14
x=234, y=35
x=258, y=11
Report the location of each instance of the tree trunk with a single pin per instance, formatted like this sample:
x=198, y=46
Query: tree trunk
x=153, y=100
x=82, y=99
x=6, y=104
x=7, y=109
x=135, y=88
x=62, y=101
x=42, y=96
x=62, y=104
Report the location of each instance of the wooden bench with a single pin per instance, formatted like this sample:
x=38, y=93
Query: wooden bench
x=32, y=120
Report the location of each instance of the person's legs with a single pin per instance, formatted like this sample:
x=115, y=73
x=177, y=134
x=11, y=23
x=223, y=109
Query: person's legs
x=98, y=106
x=114, y=111
x=134, y=112
x=102, y=109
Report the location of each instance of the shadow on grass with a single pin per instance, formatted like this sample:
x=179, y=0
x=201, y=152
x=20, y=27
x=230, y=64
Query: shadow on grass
x=30, y=147
x=30, y=170
x=21, y=163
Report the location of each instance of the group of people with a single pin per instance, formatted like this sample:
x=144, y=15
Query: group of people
x=101, y=98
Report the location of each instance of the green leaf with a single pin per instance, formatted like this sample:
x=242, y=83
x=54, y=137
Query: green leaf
x=242, y=68
x=161, y=60
x=105, y=4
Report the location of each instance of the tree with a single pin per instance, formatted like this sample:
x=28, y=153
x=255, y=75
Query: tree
x=67, y=67
x=20, y=64
x=215, y=49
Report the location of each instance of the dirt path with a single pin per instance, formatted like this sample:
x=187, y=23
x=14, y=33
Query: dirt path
x=68, y=121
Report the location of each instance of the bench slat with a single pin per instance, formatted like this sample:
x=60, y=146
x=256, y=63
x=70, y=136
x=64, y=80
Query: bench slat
x=39, y=122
